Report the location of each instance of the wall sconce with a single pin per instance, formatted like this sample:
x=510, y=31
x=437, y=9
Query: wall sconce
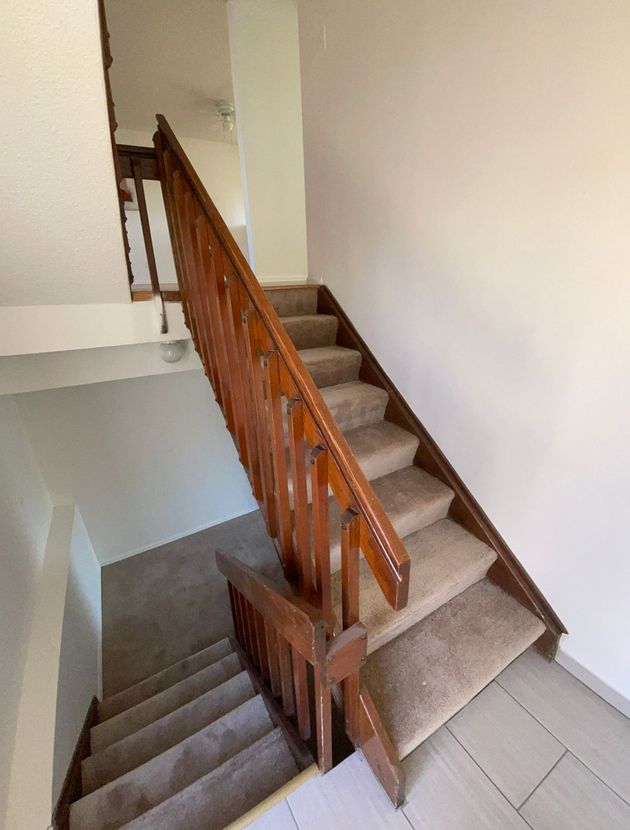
x=172, y=351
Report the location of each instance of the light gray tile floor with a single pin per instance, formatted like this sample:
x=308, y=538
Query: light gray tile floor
x=536, y=750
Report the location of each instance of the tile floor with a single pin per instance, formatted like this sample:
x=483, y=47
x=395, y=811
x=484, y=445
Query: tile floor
x=536, y=749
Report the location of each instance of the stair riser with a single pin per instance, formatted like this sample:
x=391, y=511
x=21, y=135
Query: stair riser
x=293, y=301
x=311, y=332
x=131, y=720
x=342, y=369
x=156, y=738
x=163, y=680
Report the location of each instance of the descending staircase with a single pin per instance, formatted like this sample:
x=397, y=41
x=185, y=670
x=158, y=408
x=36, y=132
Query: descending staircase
x=191, y=747
x=458, y=629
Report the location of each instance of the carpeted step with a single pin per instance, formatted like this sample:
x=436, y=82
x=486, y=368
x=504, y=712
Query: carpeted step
x=309, y=331
x=146, y=786
x=412, y=499
x=331, y=365
x=162, y=734
x=445, y=560
x=142, y=714
x=355, y=404
x=117, y=703
x=225, y=794
x=293, y=300
x=379, y=449
x=422, y=678
x=382, y=448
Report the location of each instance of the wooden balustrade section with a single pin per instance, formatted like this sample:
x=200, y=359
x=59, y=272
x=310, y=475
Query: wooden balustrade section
x=294, y=454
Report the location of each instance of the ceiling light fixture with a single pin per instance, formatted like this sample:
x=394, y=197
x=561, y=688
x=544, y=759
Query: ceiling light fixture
x=225, y=111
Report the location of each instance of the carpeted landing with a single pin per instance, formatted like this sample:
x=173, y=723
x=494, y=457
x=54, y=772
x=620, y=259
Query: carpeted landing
x=190, y=747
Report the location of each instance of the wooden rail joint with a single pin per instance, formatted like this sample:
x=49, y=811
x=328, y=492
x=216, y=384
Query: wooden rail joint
x=345, y=655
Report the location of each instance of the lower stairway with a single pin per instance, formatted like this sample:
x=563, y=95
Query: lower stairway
x=192, y=747
x=459, y=629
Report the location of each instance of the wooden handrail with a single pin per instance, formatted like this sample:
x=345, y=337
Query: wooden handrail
x=378, y=539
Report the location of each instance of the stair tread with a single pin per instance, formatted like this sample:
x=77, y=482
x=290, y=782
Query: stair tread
x=412, y=499
x=330, y=365
x=355, y=404
x=308, y=331
x=445, y=560
x=163, y=703
x=163, y=679
x=139, y=747
x=127, y=797
x=227, y=792
x=382, y=448
x=427, y=674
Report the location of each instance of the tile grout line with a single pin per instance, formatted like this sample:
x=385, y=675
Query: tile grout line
x=570, y=751
x=544, y=778
x=485, y=774
x=295, y=821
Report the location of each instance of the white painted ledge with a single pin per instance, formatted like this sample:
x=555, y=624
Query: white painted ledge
x=37, y=329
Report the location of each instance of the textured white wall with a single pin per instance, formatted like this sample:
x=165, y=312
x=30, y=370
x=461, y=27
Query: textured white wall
x=25, y=512
x=147, y=460
x=264, y=54
x=467, y=201
x=61, y=237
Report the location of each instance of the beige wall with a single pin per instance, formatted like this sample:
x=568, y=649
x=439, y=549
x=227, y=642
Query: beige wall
x=467, y=167
x=266, y=79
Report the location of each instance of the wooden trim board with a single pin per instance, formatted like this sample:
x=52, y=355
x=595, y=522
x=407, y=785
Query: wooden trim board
x=71, y=788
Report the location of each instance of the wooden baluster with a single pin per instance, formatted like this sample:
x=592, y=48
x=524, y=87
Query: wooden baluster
x=234, y=302
x=286, y=676
x=247, y=637
x=254, y=354
x=350, y=528
x=251, y=622
x=281, y=491
x=179, y=192
x=262, y=646
x=321, y=532
x=300, y=498
x=233, y=365
x=236, y=619
x=196, y=282
x=148, y=244
x=166, y=176
x=323, y=721
x=300, y=682
x=202, y=254
x=272, y=652
x=208, y=245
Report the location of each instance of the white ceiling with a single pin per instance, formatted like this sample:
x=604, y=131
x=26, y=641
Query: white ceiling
x=170, y=56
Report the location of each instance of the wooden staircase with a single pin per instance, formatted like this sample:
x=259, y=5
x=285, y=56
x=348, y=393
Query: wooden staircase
x=401, y=600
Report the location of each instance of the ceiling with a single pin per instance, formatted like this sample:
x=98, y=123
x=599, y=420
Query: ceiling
x=170, y=57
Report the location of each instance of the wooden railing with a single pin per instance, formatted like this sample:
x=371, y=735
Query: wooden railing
x=285, y=639
x=292, y=450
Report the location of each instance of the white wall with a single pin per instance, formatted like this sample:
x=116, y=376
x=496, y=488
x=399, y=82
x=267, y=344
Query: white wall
x=266, y=79
x=25, y=513
x=146, y=460
x=79, y=676
x=61, y=237
x=466, y=175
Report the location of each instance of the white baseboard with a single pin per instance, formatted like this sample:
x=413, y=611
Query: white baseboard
x=174, y=538
x=286, y=280
x=606, y=692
